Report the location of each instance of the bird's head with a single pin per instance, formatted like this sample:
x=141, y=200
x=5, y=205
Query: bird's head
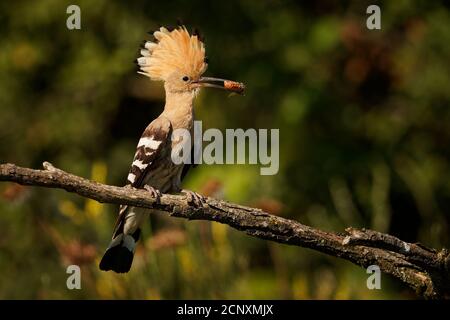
x=178, y=59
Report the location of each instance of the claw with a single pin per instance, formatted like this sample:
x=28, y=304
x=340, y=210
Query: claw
x=194, y=198
x=154, y=192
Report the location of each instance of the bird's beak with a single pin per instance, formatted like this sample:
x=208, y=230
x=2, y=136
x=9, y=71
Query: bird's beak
x=229, y=85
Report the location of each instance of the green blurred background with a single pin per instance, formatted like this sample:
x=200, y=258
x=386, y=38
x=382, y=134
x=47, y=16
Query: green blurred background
x=364, y=142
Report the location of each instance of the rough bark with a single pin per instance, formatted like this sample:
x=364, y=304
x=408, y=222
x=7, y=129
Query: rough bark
x=425, y=270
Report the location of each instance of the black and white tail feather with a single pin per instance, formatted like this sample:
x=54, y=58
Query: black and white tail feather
x=120, y=252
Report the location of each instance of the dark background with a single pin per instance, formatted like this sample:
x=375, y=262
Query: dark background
x=364, y=142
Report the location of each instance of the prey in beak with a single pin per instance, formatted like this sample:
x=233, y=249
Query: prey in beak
x=233, y=86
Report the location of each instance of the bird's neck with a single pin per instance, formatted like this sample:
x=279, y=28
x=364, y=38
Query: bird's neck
x=179, y=109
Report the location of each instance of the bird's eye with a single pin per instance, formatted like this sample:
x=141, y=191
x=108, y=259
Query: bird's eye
x=185, y=78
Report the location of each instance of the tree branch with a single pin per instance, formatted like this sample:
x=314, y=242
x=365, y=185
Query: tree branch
x=423, y=269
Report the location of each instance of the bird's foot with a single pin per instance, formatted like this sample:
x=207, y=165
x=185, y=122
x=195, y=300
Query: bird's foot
x=194, y=198
x=154, y=192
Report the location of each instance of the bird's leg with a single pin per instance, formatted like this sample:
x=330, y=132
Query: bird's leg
x=194, y=198
x=154, y=192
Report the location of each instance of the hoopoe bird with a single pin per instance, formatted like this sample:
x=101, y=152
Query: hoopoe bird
x=178, y=59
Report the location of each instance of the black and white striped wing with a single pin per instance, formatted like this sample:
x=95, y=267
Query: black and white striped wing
x=150, y=147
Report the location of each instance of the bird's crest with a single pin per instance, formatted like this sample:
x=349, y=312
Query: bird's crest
x=171, y=51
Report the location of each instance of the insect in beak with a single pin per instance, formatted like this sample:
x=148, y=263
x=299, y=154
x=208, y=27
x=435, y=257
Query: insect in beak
x=233, y=86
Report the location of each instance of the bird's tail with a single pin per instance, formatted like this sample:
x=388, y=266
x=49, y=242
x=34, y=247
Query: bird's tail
x=119, y=255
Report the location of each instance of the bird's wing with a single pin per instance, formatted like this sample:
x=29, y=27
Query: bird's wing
x=151, y=145
x=149, y=148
